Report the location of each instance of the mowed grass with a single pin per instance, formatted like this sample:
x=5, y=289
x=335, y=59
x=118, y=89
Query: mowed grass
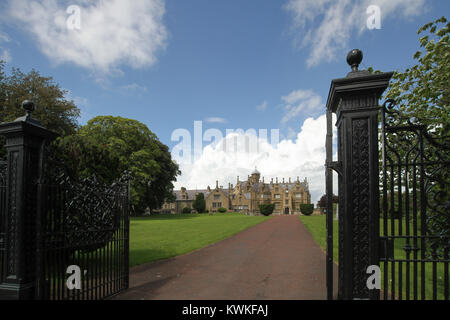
x=316, y=225
x=164, y=236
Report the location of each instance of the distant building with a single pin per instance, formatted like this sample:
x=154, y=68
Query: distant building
x=246, y=196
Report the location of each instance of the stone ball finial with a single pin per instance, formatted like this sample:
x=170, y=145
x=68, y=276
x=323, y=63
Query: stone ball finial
x=28, y=106
x=354, y=58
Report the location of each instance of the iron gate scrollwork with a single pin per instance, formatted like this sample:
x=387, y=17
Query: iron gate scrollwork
x=415, y=219
x=83, y=223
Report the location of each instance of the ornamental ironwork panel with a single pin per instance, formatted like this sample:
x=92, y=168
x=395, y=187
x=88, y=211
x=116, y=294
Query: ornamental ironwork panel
x=83, y=223
x=415, y=219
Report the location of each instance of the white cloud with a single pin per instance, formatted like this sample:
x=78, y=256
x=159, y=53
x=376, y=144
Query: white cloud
x=4, y=53
x=215, y=120
x=262, y=106
x=304, y=157
x=113, y=32
x=326, y=25
x=301, y=101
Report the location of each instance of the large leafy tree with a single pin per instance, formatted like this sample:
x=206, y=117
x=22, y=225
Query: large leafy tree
x=422, y=92
x=107, y=146
x=53, y=109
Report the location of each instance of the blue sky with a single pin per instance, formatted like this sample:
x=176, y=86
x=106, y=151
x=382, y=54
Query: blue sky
x=231, y=64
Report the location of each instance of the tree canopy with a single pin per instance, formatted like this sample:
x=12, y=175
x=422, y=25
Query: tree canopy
x=422, y=92
x=53, y=109
x=108, y=146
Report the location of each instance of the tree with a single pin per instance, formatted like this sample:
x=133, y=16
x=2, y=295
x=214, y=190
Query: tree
x=199, y=203
x=53, y=109
x=266, y=208
x=322, y=203
x=131, y=146
x=422, y=92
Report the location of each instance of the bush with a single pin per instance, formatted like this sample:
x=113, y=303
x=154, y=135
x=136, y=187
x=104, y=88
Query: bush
x=307, y=209
x=222, y=210
x=199, y=203
x=266, y=208
x=186, y=210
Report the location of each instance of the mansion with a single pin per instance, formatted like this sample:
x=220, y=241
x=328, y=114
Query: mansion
x=246, y=196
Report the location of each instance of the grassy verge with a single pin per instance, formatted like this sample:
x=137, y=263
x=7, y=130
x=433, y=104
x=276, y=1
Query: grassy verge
x=165, y=236
x=316, y=225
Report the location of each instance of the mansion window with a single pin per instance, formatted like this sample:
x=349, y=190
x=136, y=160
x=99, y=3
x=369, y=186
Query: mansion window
x=277, y=196
x=217, y=204
x=298, y=195
x=216, y=196
x=287, y=201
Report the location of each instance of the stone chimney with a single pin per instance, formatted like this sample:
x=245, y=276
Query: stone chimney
x=217, y=184
x=209, y=189
x=276, y=179
x=283, y=180
x=289, y=179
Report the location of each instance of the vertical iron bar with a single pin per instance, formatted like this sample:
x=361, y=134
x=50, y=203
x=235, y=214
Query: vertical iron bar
x=408, y=251
x=329, y=217
x=392, y=229
x=423, y=224
x=400, y=224
x=415, y=244
x=385, y=200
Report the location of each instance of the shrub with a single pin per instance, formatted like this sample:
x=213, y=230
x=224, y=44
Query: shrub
x=222, y=210
x=186, y=210
x=199, y=203
x=266, y=208
x=307, y=209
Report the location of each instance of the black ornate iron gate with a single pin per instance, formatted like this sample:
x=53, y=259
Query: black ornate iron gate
x=415, y=220
x=405, y=177
x=60, y=237
x=83, y=224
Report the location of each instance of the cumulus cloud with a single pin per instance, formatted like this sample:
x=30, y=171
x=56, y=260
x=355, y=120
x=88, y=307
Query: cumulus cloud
x=112, y=32
x=303, y=156
x=301, y=101
x=326, y=25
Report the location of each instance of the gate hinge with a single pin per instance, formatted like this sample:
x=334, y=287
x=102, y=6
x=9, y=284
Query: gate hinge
x=335, y=165
x=386, y=248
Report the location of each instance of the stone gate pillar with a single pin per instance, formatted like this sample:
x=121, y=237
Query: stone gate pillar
x=24, y=140
x=354, y=99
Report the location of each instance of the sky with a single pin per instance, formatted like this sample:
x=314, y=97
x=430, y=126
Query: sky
x=194, y=71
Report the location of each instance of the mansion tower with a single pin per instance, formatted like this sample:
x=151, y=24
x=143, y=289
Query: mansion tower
x=246, y=196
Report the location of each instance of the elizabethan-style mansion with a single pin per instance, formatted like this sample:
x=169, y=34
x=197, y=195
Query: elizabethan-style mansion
x=246, y=196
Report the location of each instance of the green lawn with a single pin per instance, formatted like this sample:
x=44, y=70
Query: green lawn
x=165, y=236
x=316, y=225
